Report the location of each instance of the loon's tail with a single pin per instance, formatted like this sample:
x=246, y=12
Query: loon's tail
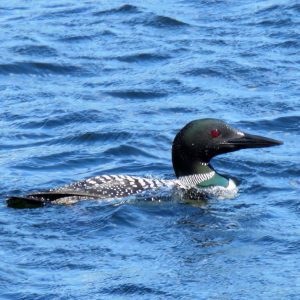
x=41, y=199
x=24, y=202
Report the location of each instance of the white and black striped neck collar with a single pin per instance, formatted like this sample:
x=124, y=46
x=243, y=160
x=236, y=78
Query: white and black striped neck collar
x=195, y=179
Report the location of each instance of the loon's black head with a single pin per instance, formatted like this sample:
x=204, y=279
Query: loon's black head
x=201, y=140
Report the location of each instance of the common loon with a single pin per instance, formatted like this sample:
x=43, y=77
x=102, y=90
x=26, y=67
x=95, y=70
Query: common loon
x=193, y=148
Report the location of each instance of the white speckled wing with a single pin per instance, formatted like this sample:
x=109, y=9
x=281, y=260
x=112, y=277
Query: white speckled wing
x=113, y=186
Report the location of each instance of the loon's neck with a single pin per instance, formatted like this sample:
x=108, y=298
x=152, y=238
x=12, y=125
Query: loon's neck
x=194, y=170
x=201, y=175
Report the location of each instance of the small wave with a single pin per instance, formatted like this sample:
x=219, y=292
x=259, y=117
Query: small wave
x=276, y=22
x=12, y=116
x=92, y=137
x=54, y=157
x=39, y=68
x=127, y=8
x=142, y=57
x=63, y=13
x=223, y=68
x=178, y=109
x=238, y=72
x=76, y=38
x=287, y=123
x=36, y=50
x=163, y=21
x=16, y=8
x=207, y=72
x=276, y=10
x=271, y=8
x=63, y=119
x=107, y=32
x=123, y=215
x=288, y=44
x=136, y=94
x=23, y=145
x=131, y=289
x=126, y=150
x=42, y=164
x=56, y=5
x=72, y=11
x=296, y=7
x=29, y=136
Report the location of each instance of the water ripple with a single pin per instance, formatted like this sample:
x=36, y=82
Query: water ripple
x=35, y=50
x=40, y=68
x=124, y=9
x=136, y=94
x=287, y=123
x=126, y=150
x=59, y=119
x=143, y=57
x=132, y=289
x=98, y=88
x=165, y=22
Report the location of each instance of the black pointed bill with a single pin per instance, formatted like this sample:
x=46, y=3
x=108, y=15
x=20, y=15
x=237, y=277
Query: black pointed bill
x=246, y=140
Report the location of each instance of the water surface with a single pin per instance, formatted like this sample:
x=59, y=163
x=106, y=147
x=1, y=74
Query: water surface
x=102, y=87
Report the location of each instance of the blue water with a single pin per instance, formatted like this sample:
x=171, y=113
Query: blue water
x=101, y=87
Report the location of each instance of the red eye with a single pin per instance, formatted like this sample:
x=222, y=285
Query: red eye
x=215, y=133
